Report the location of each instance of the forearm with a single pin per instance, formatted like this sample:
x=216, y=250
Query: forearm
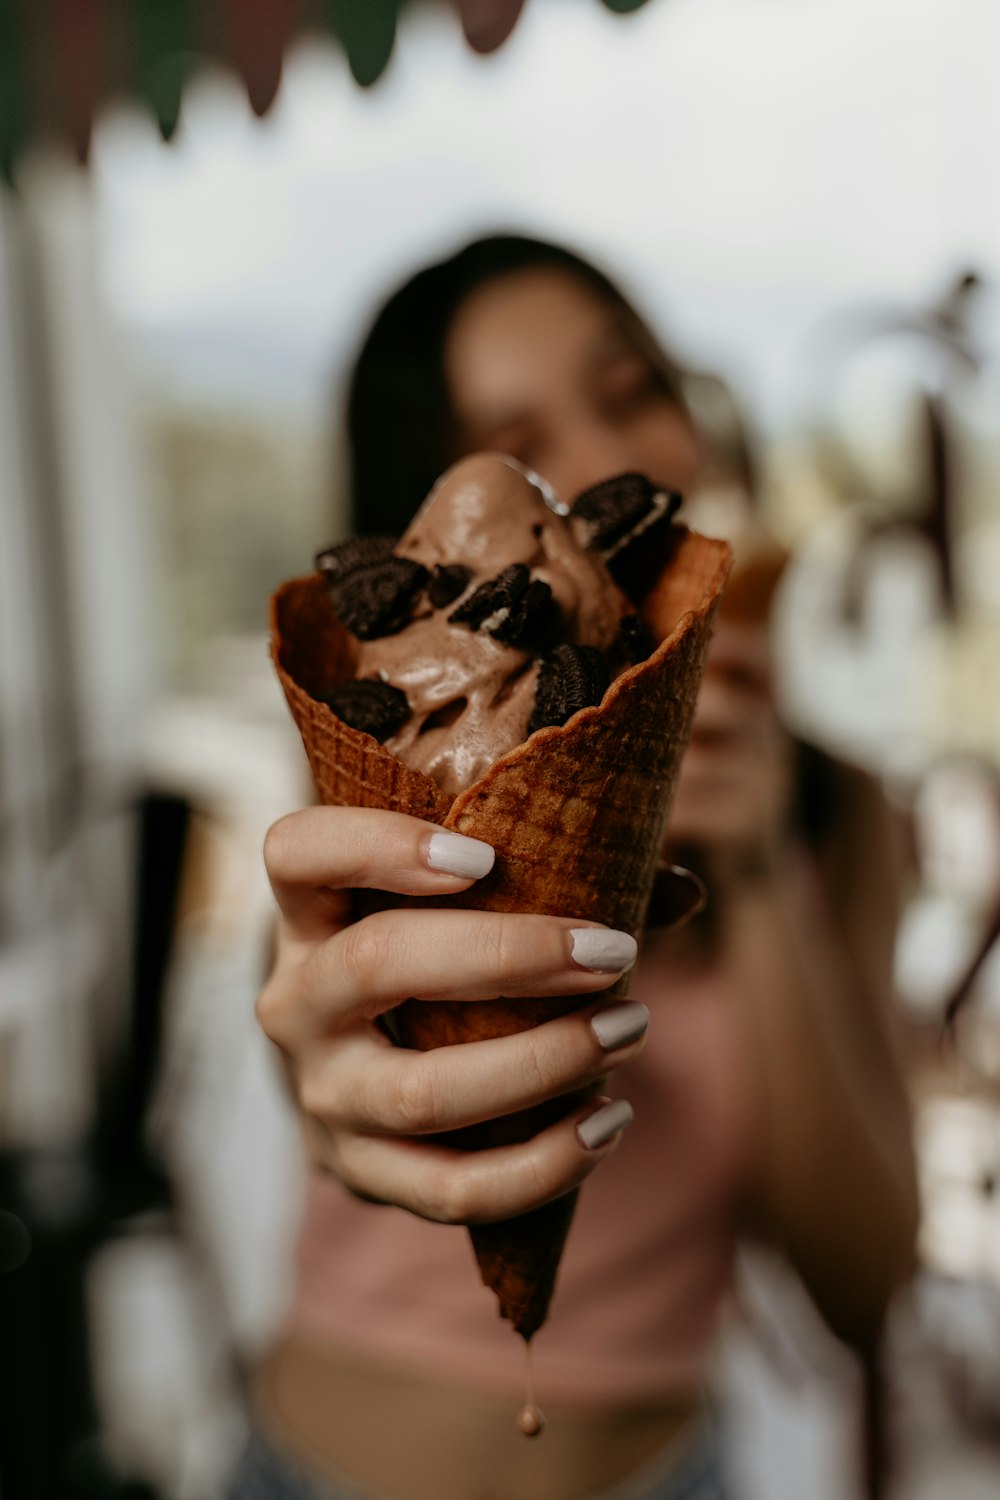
x=834, y=1179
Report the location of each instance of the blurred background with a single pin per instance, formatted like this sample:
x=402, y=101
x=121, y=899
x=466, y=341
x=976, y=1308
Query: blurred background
x=803, y=200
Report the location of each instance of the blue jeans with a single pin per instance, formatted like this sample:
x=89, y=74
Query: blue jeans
x=264, y=1473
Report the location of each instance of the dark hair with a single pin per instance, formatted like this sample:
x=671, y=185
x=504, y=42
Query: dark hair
x=399, y=418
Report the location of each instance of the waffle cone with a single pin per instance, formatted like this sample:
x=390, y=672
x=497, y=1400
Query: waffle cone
x=575, y=814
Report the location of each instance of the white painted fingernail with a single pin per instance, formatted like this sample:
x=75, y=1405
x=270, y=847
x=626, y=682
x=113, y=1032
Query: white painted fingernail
x=454, y=854
x=602, y=949
x=620, y=1024
x=598, y=1128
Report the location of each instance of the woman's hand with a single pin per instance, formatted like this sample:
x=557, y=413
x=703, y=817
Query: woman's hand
x=736, y=783
x=371, y=1109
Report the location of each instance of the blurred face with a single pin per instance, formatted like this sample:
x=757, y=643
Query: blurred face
x=541, y=367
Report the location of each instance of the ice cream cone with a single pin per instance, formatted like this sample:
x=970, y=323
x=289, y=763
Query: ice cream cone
x=576, y=816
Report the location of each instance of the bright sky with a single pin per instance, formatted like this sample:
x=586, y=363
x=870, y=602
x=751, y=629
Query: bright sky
x=746, y=167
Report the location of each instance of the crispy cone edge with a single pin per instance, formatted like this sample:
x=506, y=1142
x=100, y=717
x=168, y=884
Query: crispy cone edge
x=576, y=816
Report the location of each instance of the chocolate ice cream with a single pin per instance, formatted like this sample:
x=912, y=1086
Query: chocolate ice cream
x=490, y=618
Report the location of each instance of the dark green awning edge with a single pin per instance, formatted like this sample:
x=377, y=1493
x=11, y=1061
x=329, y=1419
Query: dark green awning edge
x=52, y=81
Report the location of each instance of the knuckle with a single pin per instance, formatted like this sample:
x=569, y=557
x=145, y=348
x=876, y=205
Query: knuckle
x=542, y=1066
x=537, y=1185
x=446, y=1196
x=492, y=944
x=270, y=1009
x=414, y=1098
x=279, y=844
x=551, y=1060
x=510, y=946
x=364, y=950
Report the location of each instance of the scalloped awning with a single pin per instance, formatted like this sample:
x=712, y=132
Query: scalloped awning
x=61, y=59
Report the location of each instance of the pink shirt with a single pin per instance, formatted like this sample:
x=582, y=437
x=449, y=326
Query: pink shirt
x=646, y=1267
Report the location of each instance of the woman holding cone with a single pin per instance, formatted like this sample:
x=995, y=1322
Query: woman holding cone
x=765, y=1095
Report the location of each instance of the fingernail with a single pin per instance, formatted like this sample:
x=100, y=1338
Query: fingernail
x=620, y=1024
x=598, y=1128
x=454, y=854
x=602, y=949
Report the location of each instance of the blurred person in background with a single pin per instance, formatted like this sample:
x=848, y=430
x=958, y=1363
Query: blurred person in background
x=767, y=1095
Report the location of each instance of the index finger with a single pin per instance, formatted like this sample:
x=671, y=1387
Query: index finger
x=314, y=855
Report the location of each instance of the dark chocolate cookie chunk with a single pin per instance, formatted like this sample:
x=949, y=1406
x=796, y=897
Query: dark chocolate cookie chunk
x=513, y=607
x=351, y=556
x=569, y=678
x=531, y=617
x=372, y=589
x=491, y=597
x=609, y=513
x=447, y=582
x=371, y=705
